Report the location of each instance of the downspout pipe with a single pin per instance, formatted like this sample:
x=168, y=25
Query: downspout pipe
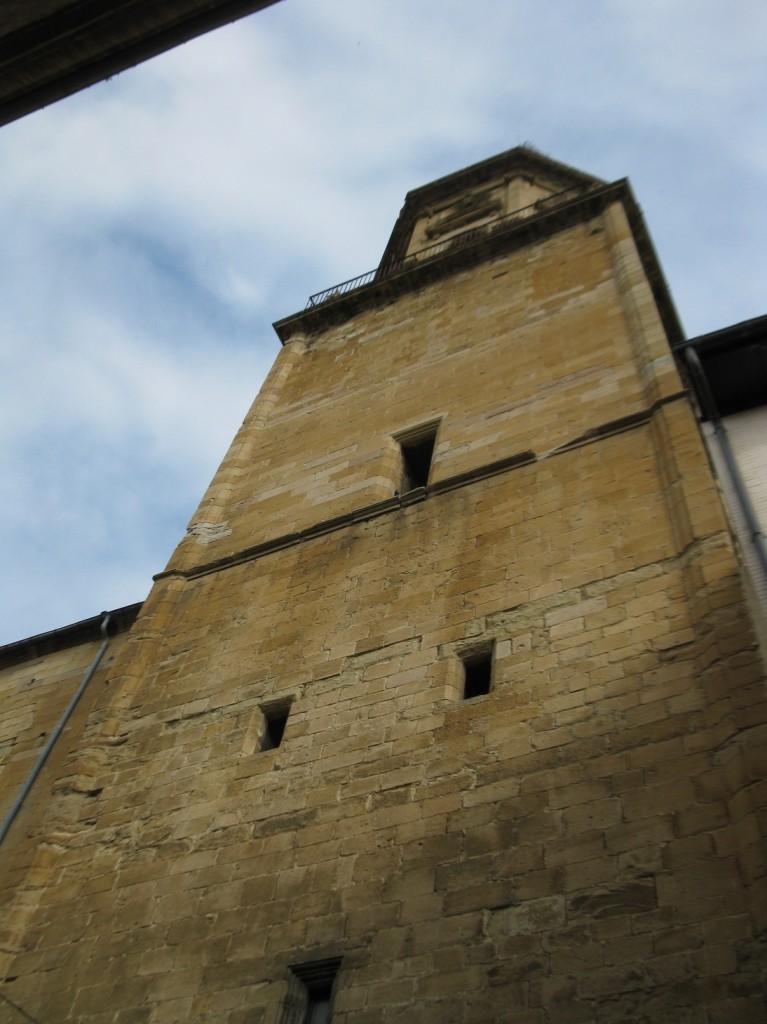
x=708, y=404
x=43, y=756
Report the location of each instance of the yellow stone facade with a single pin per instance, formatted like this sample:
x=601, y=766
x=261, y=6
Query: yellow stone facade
x=582, y=843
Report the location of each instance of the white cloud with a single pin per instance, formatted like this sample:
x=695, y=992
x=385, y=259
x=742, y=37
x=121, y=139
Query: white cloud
x=155, y=225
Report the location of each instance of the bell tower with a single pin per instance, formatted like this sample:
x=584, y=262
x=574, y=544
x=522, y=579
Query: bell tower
x=447, y=707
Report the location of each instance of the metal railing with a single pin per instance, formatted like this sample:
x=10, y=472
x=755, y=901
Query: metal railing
x=455, y=242
x=341, y=289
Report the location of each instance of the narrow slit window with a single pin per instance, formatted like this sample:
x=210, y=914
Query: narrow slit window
x=477, y=674
x=318, y=1011
x=417, y=454
x=318, y=980
x=275, y=720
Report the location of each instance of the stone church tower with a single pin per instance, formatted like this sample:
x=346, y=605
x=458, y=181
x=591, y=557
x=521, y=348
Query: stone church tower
x=447, y=709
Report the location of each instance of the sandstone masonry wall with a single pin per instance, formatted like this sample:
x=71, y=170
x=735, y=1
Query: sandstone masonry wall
x=583, y=843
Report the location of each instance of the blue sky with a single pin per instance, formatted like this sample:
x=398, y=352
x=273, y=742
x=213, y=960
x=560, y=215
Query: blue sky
x=155, y=226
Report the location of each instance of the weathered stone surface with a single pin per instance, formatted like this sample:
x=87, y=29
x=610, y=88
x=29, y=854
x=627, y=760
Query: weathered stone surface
x=562, y=848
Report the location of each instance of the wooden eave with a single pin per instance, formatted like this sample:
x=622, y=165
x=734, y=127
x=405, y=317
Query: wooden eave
x=734, y=360
x=50, y=49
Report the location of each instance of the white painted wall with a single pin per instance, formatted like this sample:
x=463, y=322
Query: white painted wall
x=747, y=432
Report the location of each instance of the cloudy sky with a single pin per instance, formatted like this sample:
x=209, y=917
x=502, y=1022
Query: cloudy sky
x=154, y=226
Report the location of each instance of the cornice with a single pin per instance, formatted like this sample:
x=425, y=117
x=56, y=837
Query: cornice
x=385, y=287
x=522, y=161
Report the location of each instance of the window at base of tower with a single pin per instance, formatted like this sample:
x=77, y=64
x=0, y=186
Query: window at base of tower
x=317, y=982
x=319, y=1008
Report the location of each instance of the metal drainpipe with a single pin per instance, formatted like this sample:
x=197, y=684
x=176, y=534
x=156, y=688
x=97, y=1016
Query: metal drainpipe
x=57, y=731
x=741, y=491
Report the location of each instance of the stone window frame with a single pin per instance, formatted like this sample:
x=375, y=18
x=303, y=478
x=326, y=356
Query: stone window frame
x=312, y=988
x=274, y=714
x=412, y=444
x=478, y=666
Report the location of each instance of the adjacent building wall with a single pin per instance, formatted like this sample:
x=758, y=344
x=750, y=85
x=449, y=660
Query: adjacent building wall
x=38, y=679
x=747, y=433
